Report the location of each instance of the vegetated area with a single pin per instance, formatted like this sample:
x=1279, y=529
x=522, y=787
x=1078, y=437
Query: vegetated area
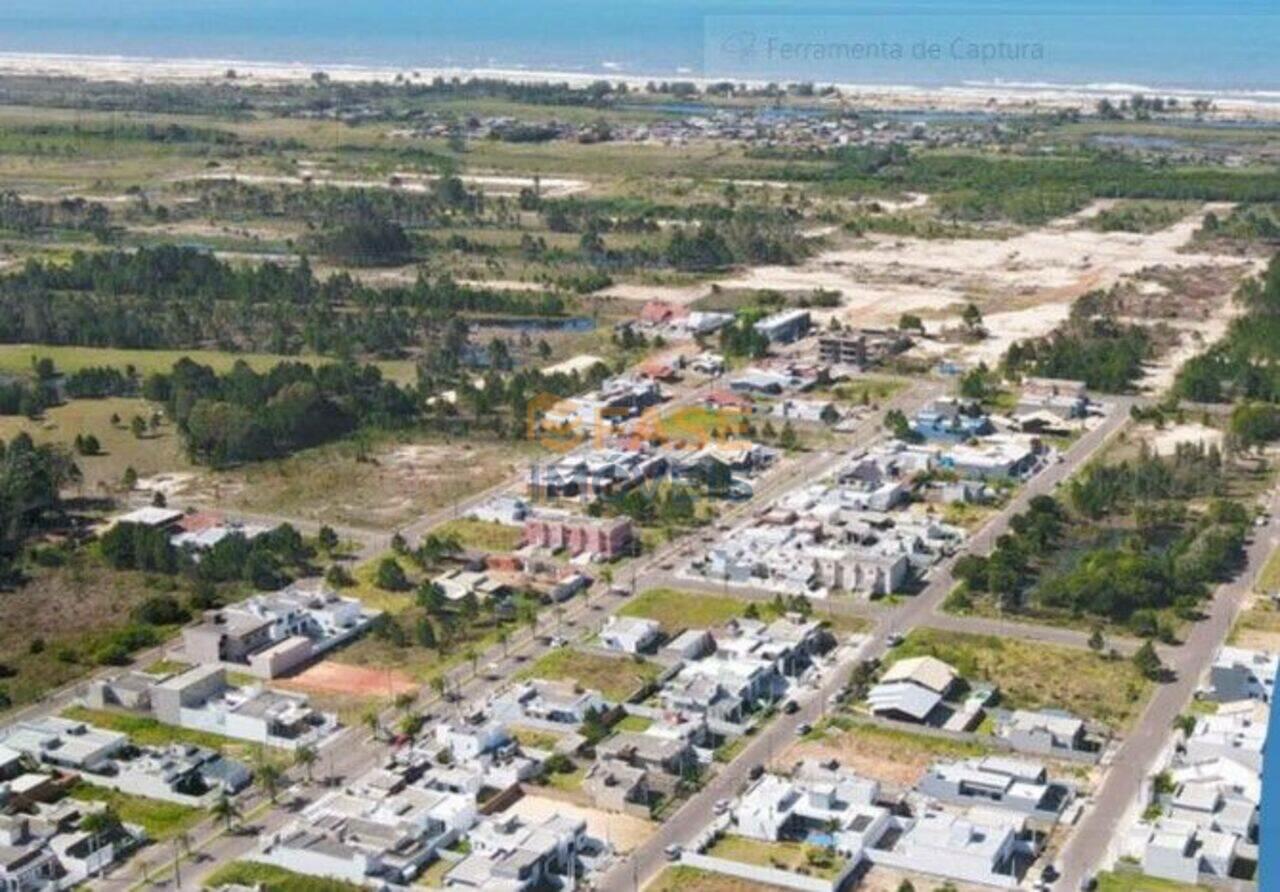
x=1095, y=347
x=270, y=878
x=617, y=678
x=146, y=731
x=1138, y=216
x=1136, y=542
x=889, y=754
x=1033, y=675
x=794, y=857
x=683, y=878
x=162, y=820
x=72, y=599
x=423, y=633
x=676, y=611
x=1131, y=880
x=1242, y=367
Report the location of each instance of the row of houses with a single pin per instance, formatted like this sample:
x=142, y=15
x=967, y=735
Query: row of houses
x=386, y=827
x=1201, y=824
x=842, y=534
x=968, y=822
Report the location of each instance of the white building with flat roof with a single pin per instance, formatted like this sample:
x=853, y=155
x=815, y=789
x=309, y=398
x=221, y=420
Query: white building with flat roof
x=839, y=804
x=985, y=847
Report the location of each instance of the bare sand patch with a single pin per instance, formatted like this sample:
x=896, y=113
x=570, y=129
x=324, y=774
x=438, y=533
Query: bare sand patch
x=674, y=294
x=623, y=832
x=1024, y=284
x=328, y=677
x=1165, y=441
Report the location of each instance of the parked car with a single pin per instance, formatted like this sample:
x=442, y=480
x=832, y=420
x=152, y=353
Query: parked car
x=755, y=772
x=721, y=806
x=895, y=639
x=673, y=852
x=791, y=707
x=803, y=728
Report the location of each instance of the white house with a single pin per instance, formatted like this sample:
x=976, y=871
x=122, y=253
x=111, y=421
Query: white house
x=1237, y=731
x=978, y=847
x=472, y=740
x=840, y=804
x=629, y=634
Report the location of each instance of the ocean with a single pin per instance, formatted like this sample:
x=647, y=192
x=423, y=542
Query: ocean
x=1209, y=45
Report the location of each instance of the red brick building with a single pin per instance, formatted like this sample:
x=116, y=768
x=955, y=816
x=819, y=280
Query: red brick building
x=579, y=535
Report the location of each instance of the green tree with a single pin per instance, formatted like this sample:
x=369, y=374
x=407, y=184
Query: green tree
x=225, y=810
x=305, y=757
x=390, y=576
x=269, y=777
x=1148, y=661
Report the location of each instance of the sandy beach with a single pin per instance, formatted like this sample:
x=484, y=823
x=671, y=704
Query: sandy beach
x=1261, y=105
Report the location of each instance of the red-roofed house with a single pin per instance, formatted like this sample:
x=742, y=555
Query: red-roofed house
x=659, y=312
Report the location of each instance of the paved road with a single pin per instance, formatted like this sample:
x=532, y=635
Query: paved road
x=693, y=817
x=1089, y=845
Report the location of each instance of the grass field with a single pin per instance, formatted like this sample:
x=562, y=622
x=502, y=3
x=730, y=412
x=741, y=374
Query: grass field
x=161, y=820
x=616, y=678
x=675, y=610
x=149, y=732
x=636, y=723
x=1033, y=675
x=790, y=856
x=16, y=358
x=481, y=535
x=1124, y=881
x=534, y=737
x=270, y=878
x=698, y=424
x=867, y=389
x=153, y=453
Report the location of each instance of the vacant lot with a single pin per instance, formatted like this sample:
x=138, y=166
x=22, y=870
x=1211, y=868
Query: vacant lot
x=690, y=879
x=54, y=626
x=153, y=453
x=1258, y=627
x=161, y=820
x=617, y=678
x=887, y=754
x=481, y=535
x=273, y=879
x=1032, y=675
x=381, y=485
x=676, y=610
x=623, y=831
x=328, y=677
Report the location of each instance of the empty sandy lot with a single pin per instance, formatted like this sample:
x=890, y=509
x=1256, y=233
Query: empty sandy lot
x=623, y=832
x=328, y=677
